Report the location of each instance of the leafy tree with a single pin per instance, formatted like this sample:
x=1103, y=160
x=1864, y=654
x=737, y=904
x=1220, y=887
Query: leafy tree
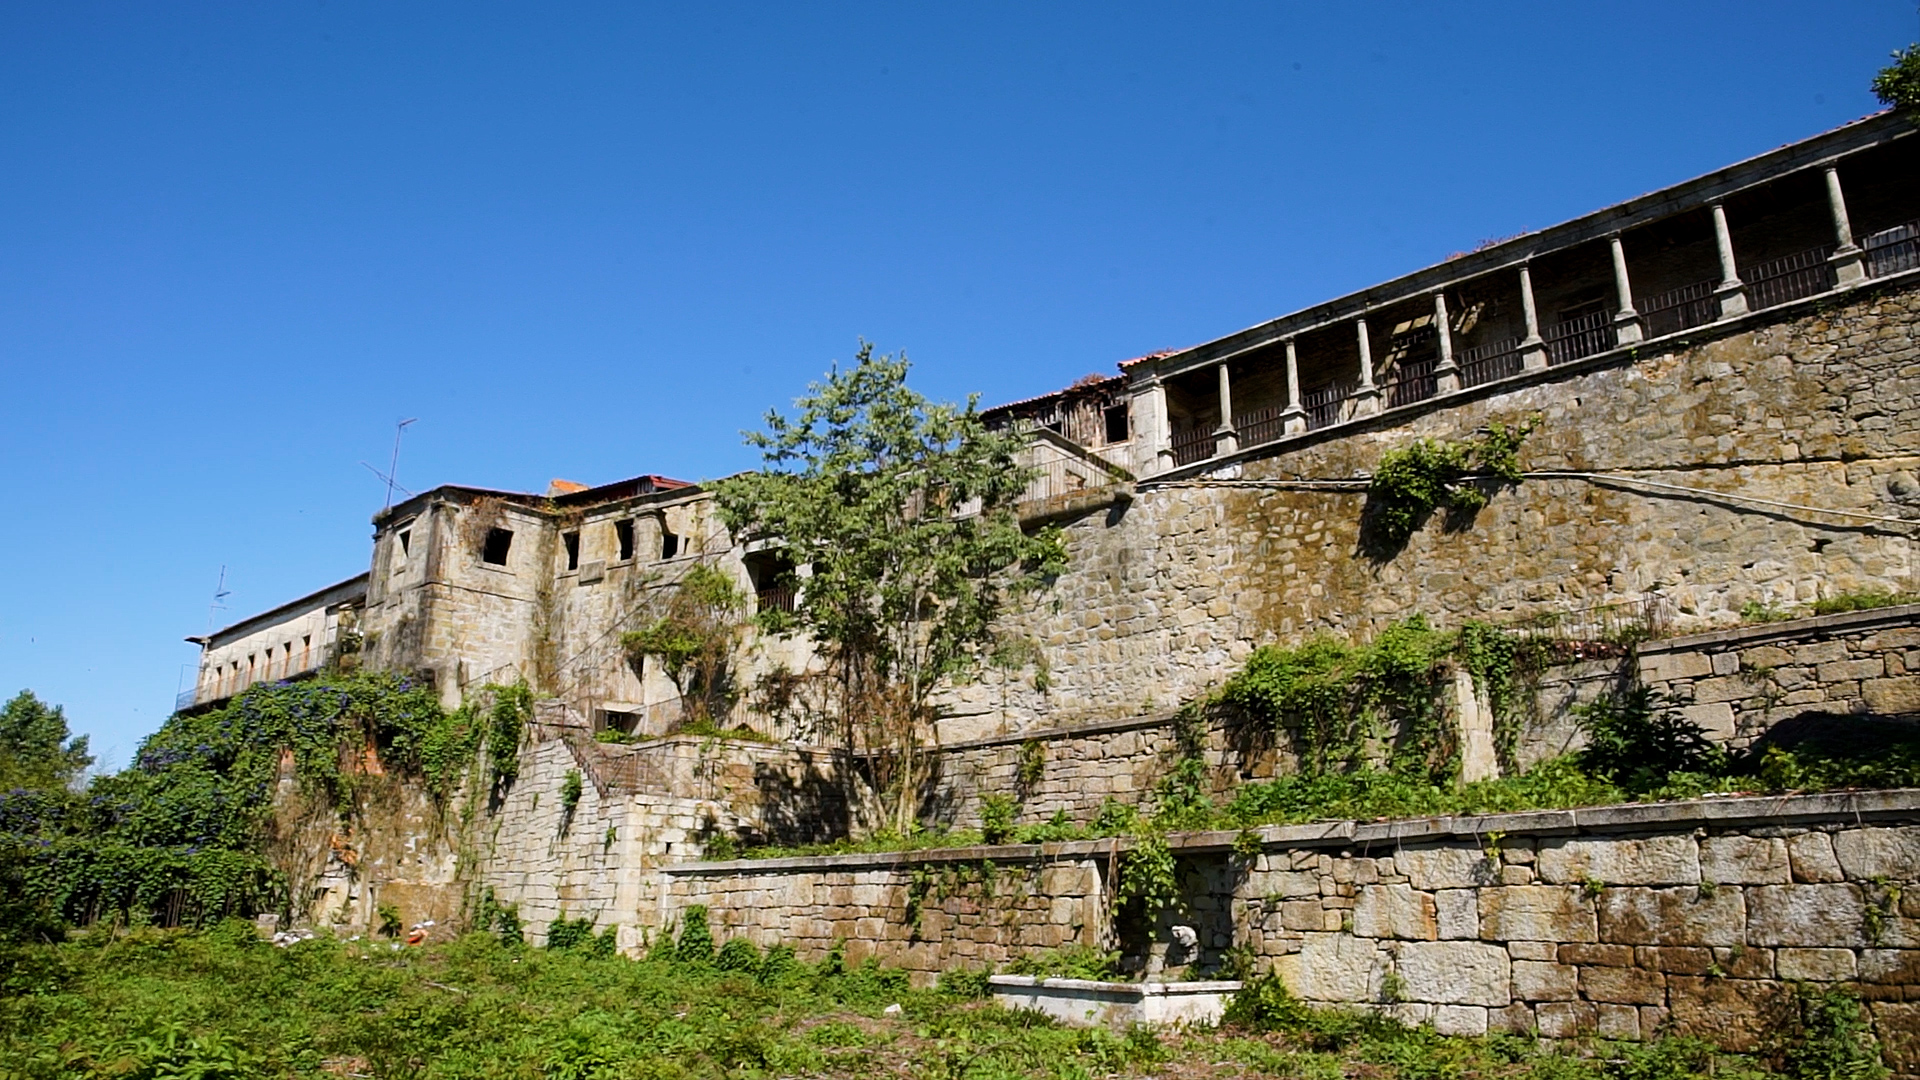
x=693, y=639
x=902, y=511
x=1898, y=84
x=36, y=750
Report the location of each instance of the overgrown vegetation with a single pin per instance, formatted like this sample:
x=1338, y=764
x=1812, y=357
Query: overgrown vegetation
x=693, y=638
x=184, y=833
x=1459, y=475
x=902, y=510
x=225, y=1004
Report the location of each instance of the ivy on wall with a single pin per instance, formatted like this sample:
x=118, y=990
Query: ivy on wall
x=1458, y=475
x=179, y=835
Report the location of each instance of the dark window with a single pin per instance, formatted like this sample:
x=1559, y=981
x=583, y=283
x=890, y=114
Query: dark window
x=572, y=540
x=499, y=542
x=406, y=541
x=623, y=532
x=773, y=580
x=669, y=544
x=1117, y=423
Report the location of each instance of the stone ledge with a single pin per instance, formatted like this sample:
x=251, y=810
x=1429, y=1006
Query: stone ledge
x=1064, y=731
x=1838, y=806
x=1761, y=633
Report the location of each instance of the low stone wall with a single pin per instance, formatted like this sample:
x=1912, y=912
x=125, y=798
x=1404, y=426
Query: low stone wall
x=1615, y=921
x=925, y=912
x=1739, y=683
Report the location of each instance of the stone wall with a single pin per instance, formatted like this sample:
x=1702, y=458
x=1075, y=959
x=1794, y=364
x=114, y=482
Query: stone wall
x=1618, y=921
x=1614, y=921
x=1165, y=595
x=1740, y=683
x=926, y=912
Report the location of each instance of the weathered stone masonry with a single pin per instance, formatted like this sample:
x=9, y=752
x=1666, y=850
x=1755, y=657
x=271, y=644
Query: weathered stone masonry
x=1616, y=921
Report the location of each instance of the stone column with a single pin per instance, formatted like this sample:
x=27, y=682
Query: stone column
x=1848, y=265
x=1626, y=321
x=1153, y=443
x=1366, y=399
x=1446, y=373
x=1294, y=420
x=1225, y=439
x=1533, y=348
x=1731, y=292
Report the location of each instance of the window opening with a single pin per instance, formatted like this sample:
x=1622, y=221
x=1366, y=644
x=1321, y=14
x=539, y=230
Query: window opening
x=572, y=540
x=623, y=532
x=499, y=542
x=406, y=541
x=669, y=544
x=1116, y=417
x=618, y=720
x=773, y=580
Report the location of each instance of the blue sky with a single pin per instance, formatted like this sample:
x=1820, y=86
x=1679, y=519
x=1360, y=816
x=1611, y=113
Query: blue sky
x=238, y=242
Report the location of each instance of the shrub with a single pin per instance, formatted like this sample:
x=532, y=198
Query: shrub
x=996, y=818
x=1636, y=740
x=564, y=934
x=1265, y=1004
x=966, y=983
x=1826, y=1038
x=696, y=938
x=738, y=954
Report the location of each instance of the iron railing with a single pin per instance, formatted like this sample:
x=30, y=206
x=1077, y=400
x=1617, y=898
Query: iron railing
x=1488, y=362
x=1194, y=444
x=1261, y=425
x=186, y=699
x=775, y=598
x=1890, y=251
x=1326, y=404
x=1411, y=381
x=1583, y=335
x=1789, y=278
x=1679, y=309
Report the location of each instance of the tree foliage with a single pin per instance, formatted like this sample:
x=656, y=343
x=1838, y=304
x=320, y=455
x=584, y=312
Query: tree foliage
x=36, y=750
x=693, y=638
x=1898, y=84
x=902, y=512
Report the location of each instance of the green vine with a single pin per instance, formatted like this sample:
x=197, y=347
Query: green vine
x=1427, y=474
x=1032, y=766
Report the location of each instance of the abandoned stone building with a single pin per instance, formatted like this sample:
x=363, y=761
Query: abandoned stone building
x=1725, y=385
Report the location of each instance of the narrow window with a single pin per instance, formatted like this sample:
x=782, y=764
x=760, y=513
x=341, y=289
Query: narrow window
x=623, y=532
x=306, y=652
x=499, y=542
x=572, y=540
x=1117, y=423
x=406, y=541
x=669, y=544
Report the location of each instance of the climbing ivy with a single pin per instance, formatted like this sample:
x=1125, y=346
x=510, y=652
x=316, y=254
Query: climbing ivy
x=179, y=835
x=1414, y=480
x=1337, y=701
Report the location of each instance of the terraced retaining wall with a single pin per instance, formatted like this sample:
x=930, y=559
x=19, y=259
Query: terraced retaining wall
x=1618, y=921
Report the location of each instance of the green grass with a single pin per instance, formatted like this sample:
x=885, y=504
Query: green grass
x=225, y=1004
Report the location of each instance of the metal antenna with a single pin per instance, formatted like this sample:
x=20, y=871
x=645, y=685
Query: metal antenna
x=393, y=467
x=220, y=592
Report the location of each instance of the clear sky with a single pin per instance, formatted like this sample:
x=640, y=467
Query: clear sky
x=239, y=241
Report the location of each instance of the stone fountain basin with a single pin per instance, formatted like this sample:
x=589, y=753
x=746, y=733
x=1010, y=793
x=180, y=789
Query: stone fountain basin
x=1089, y=1003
